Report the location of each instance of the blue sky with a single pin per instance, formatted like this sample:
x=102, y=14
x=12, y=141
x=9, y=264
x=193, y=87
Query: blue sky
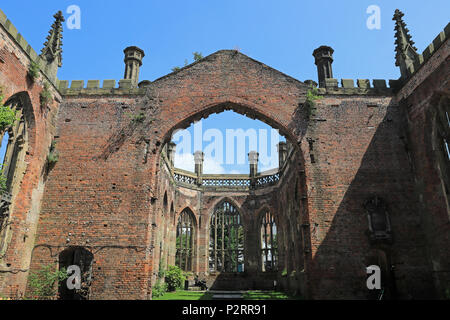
x=281, y=34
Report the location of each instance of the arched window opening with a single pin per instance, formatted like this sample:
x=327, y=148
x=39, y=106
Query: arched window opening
x=269, y=247
x=388, y=290
x=12, y=143
x=442, y=141
x=13, y=139
x=5, y=198
x=228, y=152
x=226, y=242
x=185, y=241
x=3, y=145
x=165, y=201
x=82, y=258
x=165, y=209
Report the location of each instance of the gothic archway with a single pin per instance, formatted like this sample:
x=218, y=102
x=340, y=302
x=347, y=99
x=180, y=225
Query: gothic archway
x=268, y=242
x=15, y=140
x=226, y=240
x=441, y=143
x=185, y=240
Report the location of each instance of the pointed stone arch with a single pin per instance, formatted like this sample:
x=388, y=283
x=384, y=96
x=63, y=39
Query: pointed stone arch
x=226, y=238
x=20, y=142
x=440, y=141
x=268, y=239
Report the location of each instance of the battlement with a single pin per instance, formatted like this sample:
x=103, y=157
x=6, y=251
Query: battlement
x=124, y=86
x=363, y=86
x=441, y=38
x=23, y=44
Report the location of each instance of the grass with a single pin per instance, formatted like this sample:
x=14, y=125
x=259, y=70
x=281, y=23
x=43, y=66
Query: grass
x=268, y=295
x=205, y=295
x=185, y=295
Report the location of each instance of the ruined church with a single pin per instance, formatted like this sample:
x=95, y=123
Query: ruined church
x=363, y=178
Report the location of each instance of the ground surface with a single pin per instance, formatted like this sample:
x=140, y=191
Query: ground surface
x=223, y=295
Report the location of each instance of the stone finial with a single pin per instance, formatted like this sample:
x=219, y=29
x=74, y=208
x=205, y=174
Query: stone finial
x=253, y=161
x=171, y=149
x=199, y=156
x=51, y=54
x=406, y=54
x=323, y=60
x=133, y=61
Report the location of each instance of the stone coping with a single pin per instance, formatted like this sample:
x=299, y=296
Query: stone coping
x=429, y=51
x=93, y=87
x=359, y=87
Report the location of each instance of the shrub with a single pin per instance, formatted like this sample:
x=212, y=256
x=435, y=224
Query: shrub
x=52, y=158
x=33, y=70
x=311, y=97
x=197, y=56
x=174, y=278
x=45, y=96
x=138, y=117
x=53, y=155
x=7, y=116
x=3, y=179
x=159, y=289
x=43, y=283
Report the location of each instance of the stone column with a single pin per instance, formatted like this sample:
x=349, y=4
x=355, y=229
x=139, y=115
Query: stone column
x=282, y=154
x=171, y=149
x=252, y=250
x=253, y=161
x=198, y=159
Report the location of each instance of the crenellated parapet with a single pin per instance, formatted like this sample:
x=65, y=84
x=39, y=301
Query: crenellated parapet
x=429, y=51
x=359, y=87
x=96, y=87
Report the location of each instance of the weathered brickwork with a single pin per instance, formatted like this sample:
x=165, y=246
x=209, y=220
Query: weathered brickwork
x=112, y=190
x=359, y=151
x=18, y=236
x=428, y=90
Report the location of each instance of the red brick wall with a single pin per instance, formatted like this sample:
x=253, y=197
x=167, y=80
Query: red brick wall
x=24, y=212
x=420, y=98
x=359, y=152
x=106, y=192
x=99, y=196
x=103, y=176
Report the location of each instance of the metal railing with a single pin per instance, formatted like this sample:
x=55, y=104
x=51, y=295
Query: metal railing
x=236, y=181
x=227, y=181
